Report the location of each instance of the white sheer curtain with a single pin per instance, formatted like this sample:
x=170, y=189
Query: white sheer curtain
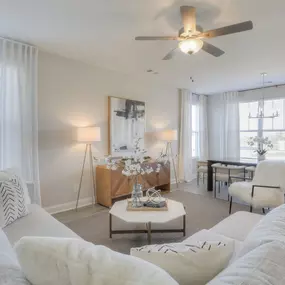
x=185, y=137
x=18, y=111
x=229, y=126
x=203, y=141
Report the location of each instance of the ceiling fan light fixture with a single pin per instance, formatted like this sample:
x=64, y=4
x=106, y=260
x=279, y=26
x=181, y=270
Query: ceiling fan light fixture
x=191, y=45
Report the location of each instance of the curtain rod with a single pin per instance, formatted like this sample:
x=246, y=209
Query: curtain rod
x=257, y=88
x=244, y=90
x=17, y=42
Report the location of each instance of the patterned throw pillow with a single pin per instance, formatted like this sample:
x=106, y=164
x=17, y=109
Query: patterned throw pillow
x=11, y=174
x=177, y=248
x=188, y=263
x=12, y=202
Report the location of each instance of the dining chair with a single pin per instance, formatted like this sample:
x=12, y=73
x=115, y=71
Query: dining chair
x=250, y=170
x=226, y=174
x=266, y=190
x=202, y=168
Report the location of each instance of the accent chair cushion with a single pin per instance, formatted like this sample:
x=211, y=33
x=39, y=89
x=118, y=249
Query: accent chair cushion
x=74, y=261
x=263, y=197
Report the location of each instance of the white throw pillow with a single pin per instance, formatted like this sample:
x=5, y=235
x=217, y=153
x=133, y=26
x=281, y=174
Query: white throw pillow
x=262, y=266
x=12, y=203
x=270, y=228
x=188, y=263
x=13, y=174
x=57, y=261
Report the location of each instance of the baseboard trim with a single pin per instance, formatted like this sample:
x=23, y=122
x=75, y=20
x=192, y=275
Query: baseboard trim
x=69, y=206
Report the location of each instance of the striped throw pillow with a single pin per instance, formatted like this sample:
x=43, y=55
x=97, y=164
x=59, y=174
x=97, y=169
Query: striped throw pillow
x=194, y=262
x=12, y=202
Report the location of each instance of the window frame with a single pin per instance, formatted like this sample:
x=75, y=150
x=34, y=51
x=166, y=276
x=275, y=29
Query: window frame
x=260, y=122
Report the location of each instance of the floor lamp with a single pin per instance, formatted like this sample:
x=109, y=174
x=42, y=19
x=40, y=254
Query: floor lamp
x=88, y=135
x=169, y=136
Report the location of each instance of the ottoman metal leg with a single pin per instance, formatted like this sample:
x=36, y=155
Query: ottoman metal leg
x=110, y=225
x=184, y=225
x=148, y=226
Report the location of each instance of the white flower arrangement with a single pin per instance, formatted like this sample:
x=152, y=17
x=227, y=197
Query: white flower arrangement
x=261, y=145
x=137, y=163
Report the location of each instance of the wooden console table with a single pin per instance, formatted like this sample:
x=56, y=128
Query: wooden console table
x=112, y=185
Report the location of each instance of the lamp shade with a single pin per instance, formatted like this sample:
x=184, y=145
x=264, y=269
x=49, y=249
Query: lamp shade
x=89, y=134
x=168, y=135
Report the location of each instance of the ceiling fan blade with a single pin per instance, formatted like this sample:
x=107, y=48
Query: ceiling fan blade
x=212, y=49
x=236, y=28
x=188, y=14
x=156, y=38
x=170, y=55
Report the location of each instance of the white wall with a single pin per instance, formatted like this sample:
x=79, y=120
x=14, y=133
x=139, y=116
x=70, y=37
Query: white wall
x=245, y=96
x=74, y=94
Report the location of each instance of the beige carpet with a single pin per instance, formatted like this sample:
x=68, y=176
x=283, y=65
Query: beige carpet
x=202, y=213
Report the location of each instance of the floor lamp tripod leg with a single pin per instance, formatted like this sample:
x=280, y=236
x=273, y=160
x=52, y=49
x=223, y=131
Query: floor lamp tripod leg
x=82, y=171
x=92, y=174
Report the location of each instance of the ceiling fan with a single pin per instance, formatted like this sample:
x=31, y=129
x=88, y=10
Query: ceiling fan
x=190, y=36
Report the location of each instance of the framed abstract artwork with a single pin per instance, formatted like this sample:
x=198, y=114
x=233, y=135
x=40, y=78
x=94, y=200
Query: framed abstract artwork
x=126, y=121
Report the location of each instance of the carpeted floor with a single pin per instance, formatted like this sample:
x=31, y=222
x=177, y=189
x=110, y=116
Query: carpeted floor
x=202, y=213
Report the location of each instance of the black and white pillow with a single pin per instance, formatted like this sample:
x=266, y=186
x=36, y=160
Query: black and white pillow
x=12, y=202
x=177, y=248
x=12, y=174
x=194, y=262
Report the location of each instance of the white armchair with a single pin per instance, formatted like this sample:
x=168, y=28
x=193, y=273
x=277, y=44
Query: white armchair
x=266, y=190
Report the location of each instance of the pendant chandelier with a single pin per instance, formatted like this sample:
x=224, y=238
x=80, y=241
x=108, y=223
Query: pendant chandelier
x=260, y=109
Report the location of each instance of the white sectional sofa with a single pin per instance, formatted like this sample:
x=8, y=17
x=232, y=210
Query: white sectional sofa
x=262, y=237
x=37, y=223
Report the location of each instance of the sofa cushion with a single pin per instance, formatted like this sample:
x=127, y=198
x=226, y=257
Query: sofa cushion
x=37, y=223
x=12, y=275
x=270, y=228
x=7, y=254
x=195, y=262
x=73, y=261
x=263, y=266
x=238, y=225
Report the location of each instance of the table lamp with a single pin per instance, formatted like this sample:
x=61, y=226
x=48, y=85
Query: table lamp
x=88, y=135
x=169, y=136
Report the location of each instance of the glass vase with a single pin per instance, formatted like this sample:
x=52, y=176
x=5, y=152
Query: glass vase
x=261, y=157
x=137, y=194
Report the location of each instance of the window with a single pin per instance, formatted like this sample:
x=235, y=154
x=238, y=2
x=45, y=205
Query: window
x=195, y=131
x=274, y=129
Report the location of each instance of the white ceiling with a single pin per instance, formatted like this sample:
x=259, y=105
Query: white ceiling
x=102, y=33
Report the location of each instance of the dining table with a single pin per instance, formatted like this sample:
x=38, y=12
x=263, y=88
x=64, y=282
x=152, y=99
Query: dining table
x=226, y=161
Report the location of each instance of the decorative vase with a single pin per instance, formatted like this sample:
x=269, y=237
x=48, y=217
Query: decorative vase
x=261, y=157
x=137, y=193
